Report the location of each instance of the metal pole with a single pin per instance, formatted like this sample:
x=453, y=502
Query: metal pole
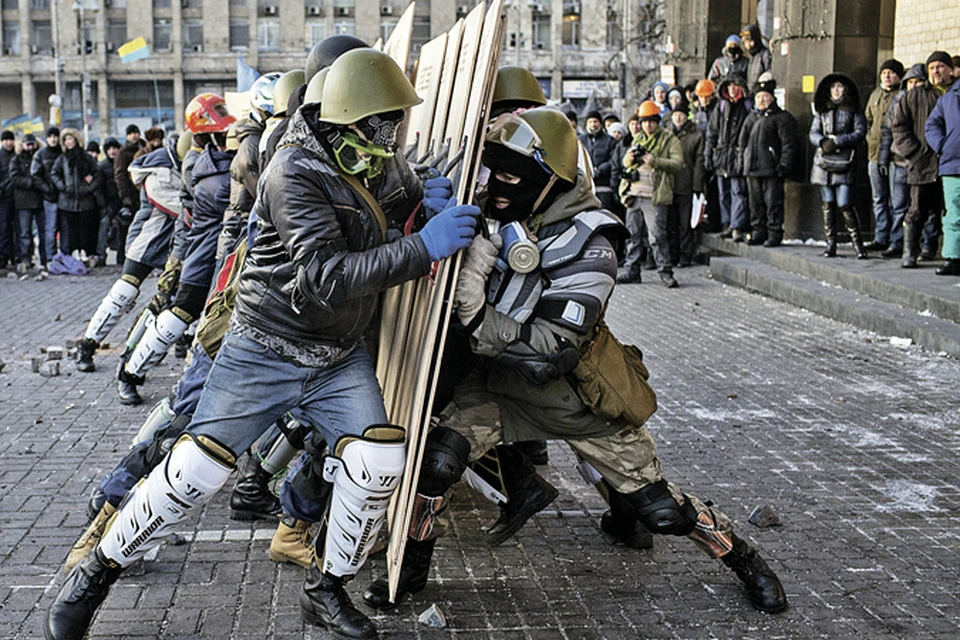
x=57, y=63
x=83, y=76
x=156, y=94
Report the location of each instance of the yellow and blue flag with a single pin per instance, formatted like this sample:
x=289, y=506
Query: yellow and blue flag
x=134, y=50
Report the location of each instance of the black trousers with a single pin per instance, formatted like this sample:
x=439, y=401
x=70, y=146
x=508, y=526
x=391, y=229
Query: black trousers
x=766, y=205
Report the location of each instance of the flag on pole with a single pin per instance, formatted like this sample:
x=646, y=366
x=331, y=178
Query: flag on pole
x=23, y=123
x=246, y=75
x=134, y=50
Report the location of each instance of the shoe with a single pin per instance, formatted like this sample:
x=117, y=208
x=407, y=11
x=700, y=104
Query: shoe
x=127, y=384
x=292, y=543
x=536, y=450
x=726, y=233
x=89, y=539
x=892, y=252
x=85, y=363
x=82, y=593
x=527, y=493
x=756, y=239
x=772, y=242
x=669, y=281
x=628, y=276
x=738, y=236
x=413, y=576
x=762, y=585
x=876, y=246
x=325, y=603
x=22, y=268
x=949, y=268
x=631, y=533
x=928, y=255
x=251, y=498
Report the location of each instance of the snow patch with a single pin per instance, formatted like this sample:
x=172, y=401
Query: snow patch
x=913, y=497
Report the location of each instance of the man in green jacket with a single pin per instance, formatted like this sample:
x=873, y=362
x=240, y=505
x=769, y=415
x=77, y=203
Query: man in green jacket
x=878, y=106
x=654, y=158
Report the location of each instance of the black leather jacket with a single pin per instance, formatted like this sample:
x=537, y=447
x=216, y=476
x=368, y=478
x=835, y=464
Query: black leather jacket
x=69, y=174
x=320, y=260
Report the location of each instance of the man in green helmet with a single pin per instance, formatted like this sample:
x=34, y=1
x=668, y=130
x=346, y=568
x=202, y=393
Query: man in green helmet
x=307, y=293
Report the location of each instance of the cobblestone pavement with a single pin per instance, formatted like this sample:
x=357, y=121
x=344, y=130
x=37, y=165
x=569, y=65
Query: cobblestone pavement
x=852, y=440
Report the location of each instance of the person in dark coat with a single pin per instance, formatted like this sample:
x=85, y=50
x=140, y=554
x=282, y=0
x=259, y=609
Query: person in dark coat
x=28, y=201
x=838, y=127
x=606, y=166
x=113, y=235
x=77, y=179
x=768, y=149
x=881, y=175
x=760, y=59
x=730, y=61
x=720, y=157
x=129, y=197
x=909, y=140
x=943, y=136
x=8, y=215
x=687, y=182
x=40, y=169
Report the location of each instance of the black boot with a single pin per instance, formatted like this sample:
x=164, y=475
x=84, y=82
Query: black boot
x=629, y=275
x=413, y=575
x=536, y=450
x=763, y=587
x=830, y=229
x=251, y=498
x=950, y=268
x=852, y=221
x=82, y=593
x=325, y=603
x=630, y=533
x=127, y=384
x=911, y=245
x=527, y=493
x=85, y=363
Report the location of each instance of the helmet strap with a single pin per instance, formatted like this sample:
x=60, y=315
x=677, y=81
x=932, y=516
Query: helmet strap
x=543, y=194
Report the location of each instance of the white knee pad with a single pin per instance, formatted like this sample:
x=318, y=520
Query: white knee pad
x=117, y=302
x=160, y=416
x=155, y=342
x=365, y=471
x=187, y=478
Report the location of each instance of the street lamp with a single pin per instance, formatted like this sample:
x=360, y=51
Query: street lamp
x=82, y=6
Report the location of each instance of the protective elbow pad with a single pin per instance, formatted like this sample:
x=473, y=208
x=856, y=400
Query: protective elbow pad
x=537, y=368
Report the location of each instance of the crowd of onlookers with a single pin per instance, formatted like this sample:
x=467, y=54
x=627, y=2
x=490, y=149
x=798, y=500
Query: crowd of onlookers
x=725, y=144
x=61, y=196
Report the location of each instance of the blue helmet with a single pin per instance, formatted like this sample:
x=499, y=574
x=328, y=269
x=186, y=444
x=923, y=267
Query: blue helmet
x=261, y=96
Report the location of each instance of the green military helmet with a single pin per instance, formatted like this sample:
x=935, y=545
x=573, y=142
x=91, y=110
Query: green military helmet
x=286, y=85
x=233, y=141
x=363, y=82
x=315, y=87
x=543, y=134
x=184, y=142
x=516, y=84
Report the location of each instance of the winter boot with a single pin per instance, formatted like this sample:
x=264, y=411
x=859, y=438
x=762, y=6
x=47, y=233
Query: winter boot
x=830, y=229
x=89, y=539
x=911, y=245
x=85, y=363
x=774, y=239
x=628, y=532
x=127, y=384
x=82, y=593
x=757, y=238
x=762, y=585
x=536, y=450
x=413, y=575
x=666, y=277
x=292, y=543
x=629, y=275
x=852, y=221
x=325, y=603
x=950, y=268
x=251, y=498
x=527, y=494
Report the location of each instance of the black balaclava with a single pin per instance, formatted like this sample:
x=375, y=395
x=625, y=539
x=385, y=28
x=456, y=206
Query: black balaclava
x=522, y=195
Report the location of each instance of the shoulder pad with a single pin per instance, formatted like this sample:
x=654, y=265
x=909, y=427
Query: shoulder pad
x=570, y=244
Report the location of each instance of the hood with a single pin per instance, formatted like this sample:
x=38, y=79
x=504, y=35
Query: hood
x=756, y=36
x=570, y=203
x=917, y=71
x=822, y=101
x=666, y=88
x=300, y=131
x=727, y=81
x=210, y=163
x=248, y=127
x=69, y=131
x=157, y=159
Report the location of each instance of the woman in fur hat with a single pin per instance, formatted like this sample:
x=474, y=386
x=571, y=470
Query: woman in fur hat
x=77, y=179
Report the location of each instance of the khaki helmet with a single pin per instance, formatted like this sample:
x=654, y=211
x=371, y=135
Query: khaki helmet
x=286, y=85
x=184, y=143
x=363, y=82
x=315, y=87
x=517, y=84
x=543, y=134
x=233, y=142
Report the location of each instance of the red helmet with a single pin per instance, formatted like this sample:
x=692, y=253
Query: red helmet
x=207, y=113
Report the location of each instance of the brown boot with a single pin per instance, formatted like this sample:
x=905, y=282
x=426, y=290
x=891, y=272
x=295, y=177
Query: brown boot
x=292, y=542
x=90, y=538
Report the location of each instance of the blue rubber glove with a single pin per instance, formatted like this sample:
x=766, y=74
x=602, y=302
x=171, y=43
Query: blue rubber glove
x=437, y=195
x=450, y=231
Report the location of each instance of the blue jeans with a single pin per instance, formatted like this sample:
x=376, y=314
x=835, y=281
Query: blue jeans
x=880, y=186
x=250, y=386
x=839, y=193
x=50, y=233
x=26, y=218
x=899, y=204
x=734, y=208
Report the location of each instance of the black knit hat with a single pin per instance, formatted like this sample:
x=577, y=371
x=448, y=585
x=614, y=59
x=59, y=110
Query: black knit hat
x=7, y=135
x=594, y=114
x=894, y=65
x=53, y=131
x=940, y=56
x=132, y=128
x=94, y=146
x=767, y=83
x=111, y=143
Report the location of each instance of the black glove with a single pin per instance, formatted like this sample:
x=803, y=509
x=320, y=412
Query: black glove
x=126, y=216
x=828, y=145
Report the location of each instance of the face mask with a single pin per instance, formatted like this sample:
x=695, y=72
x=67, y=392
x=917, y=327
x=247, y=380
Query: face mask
x=522, y=195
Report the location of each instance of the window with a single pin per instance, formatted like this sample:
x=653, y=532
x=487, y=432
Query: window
x=345, y=26
x=571, y=30
x=35, y=5
x=386, y=28
x=540, y=28
x=42, y=35
x=116, y=32
x=268, y=34
x=238, y=3
x=316, y=30
x=162, y=33
x=350, y=4
x=161, y=4
x=614, y=31
x=421, y=30
x=89, y=33
x=192, y=34
x=9, y=5
x=11, y=38
x=239, y=34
